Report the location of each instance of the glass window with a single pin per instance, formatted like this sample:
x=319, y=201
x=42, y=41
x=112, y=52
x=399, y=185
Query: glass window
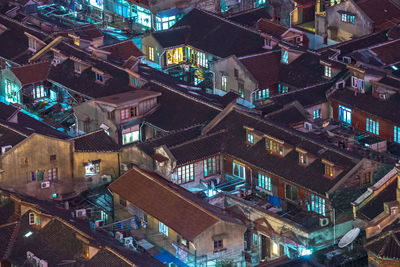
x=317, y=114
x=250, y=137
x=162, y=228
x=92, y=168
x=12, y=92
x=302, y=158
x=317, y=204
x=39, y=92
x=212, y=166
x=396, y=134
x=285, y=57
x=291, y=192
x=185, y=174
x=328, y=170
x=328, y=71
x=239, y=170
x=218, y=244
x=99, y=77
x=151, y=53
x=130, y=137
x=264, y=181
x=262, y=94
x=372, y=126
x=223, y=82
x=174, y=56
x=344, y=114
x=282, y=89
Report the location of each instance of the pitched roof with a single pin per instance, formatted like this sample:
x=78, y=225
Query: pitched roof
x=270, y=27
x=384, y=13
x=263, y=67
x=218, y=36
x=386, y=246
x=32, y=73
x=385, y=109
x=122, y=51
x=388, y=53
x=97, y=141
x=129, y=97
x=172, y=37
x=88, y=32
x=291, y=115
x=106, y=258
x=251, y=16
x=171, y=204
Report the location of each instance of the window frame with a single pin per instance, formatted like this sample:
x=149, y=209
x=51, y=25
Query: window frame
x=185, y=174
x=212, y=165
x=218, y=244
x=224, y=82
x=293, y=189
x=240, y=167
x=151, y=53
x=264, y=181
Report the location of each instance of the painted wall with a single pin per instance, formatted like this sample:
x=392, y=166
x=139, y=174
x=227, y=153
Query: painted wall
x=108, y=163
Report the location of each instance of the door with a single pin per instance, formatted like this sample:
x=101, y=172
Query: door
x=265, y=247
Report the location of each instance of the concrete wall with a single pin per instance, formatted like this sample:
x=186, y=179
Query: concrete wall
x=233, y=241
x=108, y=163
x=133, y=154
x=33, y=154
x=149, y=40
x=226, y=67
x=342, y=31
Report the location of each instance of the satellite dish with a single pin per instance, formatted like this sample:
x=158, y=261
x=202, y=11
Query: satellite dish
x=349, y=237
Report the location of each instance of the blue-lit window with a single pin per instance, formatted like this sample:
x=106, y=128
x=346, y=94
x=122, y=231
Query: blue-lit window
x=99, y=77
x=122, y=8
x=396, y=134
x=162, y=228
x=328, y=71
x=344, y=114
x=260, y=2
x=238, y=170
x=317, y=205
x=372, y=126
x=316, y=114
x=250, y=137
x=262, y=94
x=285, y=57
x=264, y=181
x=282, y=89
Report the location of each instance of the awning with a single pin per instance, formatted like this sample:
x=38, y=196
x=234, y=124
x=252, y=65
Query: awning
x=165, y=257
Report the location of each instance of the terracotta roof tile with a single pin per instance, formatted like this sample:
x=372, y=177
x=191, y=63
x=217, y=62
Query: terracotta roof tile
x=32, y=73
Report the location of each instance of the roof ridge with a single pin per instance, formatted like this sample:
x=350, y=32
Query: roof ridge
x=113, y=44
x=172, y=29
x=170, y=133
x=173, y=191
x=258, y=54
x=84, y=135
x=245, y=11
x=12, y=129
x=293, y=132
x=198, y=138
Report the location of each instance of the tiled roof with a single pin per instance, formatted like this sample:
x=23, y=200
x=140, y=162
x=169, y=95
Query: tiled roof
x=270, y=27
x=375, y=206
x=386, y=246
x=250, y=17
x=171, y=204
x=388, y=53
x=305, y=71
x=106, y=258
x=130, y=97
x=218, y=36
x=384, y=13
x=385, y=109
x=88, y=32
x=263, y=67
x=122, y=51
x=32, y=73
x=288, y=116
x=10, y=137
x=97, y=141
x=172, y=37
x=391, y=81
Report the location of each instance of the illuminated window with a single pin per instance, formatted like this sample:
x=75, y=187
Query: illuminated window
x=282, y=89
x=241, y=89
x=396, y=134
x=12, y=92
x=92, y=168
x=31, y=218
x=329, y=170
x=316, y=114
x=201, y=59
x=174, y=56
x=328, y=71
x=255, y=239
x=162, y=228
x=274, y=146
x=302, y=158
x=291, y=192
x=76, y=41
x=212, y=165
x=348, y=18
x=239, y=170
x=317, y=204
x=223, y=82
x=262, y=94
x=218, y=244
x=372, y=126
x=39, y=92
x=130, y=135
x=185, y=174
x=32, y=44
x=250, y=137
x=134, y=81
x=151, y=53
x=275, y=249
x=285, y=57
x=344, y=114
x=264, y=181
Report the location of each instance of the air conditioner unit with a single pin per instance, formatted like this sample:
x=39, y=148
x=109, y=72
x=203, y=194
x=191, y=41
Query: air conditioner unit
x=128, y=242
x=45, y=184
x=323, y=222
x=383, y=96
x=43, y=263
x=80, y=213
x=99, y=223
x=29, y=255
x=347, y=60
x=4, y=149
x=55, y=61
x=106, y=178
x=119, y=236
x=308, y=126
